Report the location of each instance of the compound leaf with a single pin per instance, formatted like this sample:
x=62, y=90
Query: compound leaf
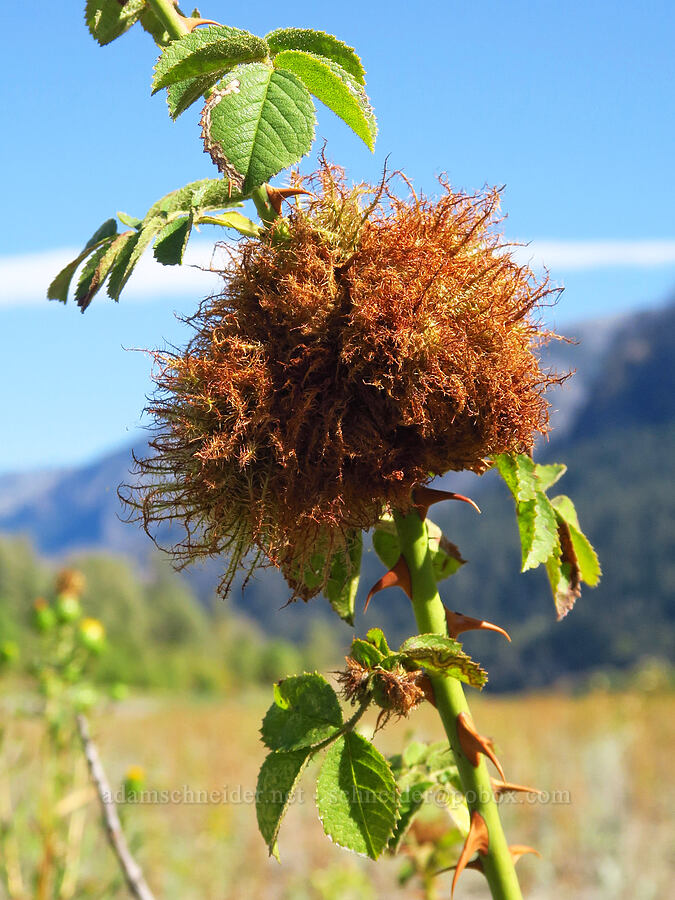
x=357, y=796
x=305, y=712
x=256, y=122
x=88, y=273
x=119, y=267
x=183, y=94
x=277, y=781
x=442, y=655
x=215, y=49
x=519, y=472
x=92, y=279
x=587, y=558
x=345, y=571
x=142, y=240
x=319, y=43
x=108, y=19
x=129, y=221
x=366, y=653
x=375, y=636
x=58, y=289
x=208, y=193
x=548, y=475
x=538, y=528
x=335, y=87
x=172, y=241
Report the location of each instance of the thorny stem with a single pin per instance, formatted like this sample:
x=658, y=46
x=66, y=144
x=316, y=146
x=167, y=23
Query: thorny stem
x=263, y=206
x=450, y=700
x=166, y=12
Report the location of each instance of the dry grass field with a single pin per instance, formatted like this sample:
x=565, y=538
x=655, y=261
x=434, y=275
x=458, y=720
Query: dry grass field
x=605, y=760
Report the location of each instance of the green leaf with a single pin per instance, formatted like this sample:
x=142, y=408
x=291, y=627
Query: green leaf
x=183, y=94
x=357, y=796
x=58, y=289
x=538, y=528
x=345, y=571
x=129, y=221
x=548, y=475
x=119, y=267
x=278, y=778
x=257, y=122
x=133, y=249
x=519, y=473
x=215, y=49
x=305, y=712
x=155, y=28
x=208, y=193
x=232, y=219
x=414, y=754
x=564, y=579
x=375, y=636
x=321, y=44
x=88, y=273
x=108, y=19
x=172, y=241
x=412, y=788
x=387, y=546
x=587, y=558
x=335, y=87
x=443, y=656
x=365, y=653
x=107, y=229
x=445, y=556
x=92, y=280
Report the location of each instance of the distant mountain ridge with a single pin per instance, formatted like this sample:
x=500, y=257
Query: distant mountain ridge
x=78, y=509
x=614, y=424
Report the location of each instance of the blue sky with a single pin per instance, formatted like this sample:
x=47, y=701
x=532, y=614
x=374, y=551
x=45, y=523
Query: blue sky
x=570, y=106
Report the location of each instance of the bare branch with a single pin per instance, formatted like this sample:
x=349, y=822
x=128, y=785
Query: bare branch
x=130, y=868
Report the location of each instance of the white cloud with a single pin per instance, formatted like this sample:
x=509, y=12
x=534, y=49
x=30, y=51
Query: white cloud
x=24, y=279
x=575, y=255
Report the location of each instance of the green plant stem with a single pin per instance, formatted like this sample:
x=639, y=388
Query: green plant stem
x=169, y=16
x=450, y=700
x=263, y=206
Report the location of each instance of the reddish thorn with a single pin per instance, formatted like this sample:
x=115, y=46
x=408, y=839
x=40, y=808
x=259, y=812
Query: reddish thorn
x=424, y=682
x=458, y=623
x=477, y=841
x=505, y=787
x=518, y=850
x=277, y=195
x=191, y=24
x=473, y=744
x=399, y=576
x=424, y=497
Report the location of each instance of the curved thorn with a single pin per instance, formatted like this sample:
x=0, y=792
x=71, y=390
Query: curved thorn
x=424, y=682
x=399, y=576
x=277, y=195
x=505, y=787
x=518, y=850
x=477, y=841
x=191, y=24
x=458, y=623
x=473, y=744
x=424, y=497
